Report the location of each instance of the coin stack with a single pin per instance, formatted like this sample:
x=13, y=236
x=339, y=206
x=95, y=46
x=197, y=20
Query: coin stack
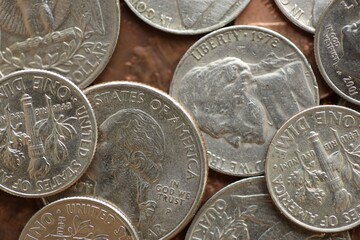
x=92, y=149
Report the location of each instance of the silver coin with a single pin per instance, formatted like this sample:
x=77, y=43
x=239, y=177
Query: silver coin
x=187, y=17
x=244, y=210
x=304, y=14
x=75, y=38
x=312, y=169
x=47, y=133
x=241, y=84
x=150, y=160
x=337, y=49
x=79, y=218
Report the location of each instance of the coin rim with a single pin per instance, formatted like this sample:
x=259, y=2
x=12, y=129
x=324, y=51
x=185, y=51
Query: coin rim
x=268, y=170
x=200, y=142
x=91, y=114
x=245, y=27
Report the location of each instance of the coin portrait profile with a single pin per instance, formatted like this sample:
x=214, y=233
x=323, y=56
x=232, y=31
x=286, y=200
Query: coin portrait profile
x=131, y=145
x=239, y=100
x=350, y=47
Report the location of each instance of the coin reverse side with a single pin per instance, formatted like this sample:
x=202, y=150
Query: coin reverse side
x=79, y=218
x=48, y=133
x=150, y=160
x=337, y=49
x=312, y=168
x=241, y=84
x=187, y=17
x=244, y=210
x=304, y=14
x=74, y=38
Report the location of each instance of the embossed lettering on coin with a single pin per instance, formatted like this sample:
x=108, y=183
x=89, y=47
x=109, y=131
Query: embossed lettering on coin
x=79, y=218
x=337, y=49
x=150, y=160
x=185, y=17
x=304, y=14
x=241, y=96
x=70, y=37
x=47, y=133
x=244, y=210
x=312, y=168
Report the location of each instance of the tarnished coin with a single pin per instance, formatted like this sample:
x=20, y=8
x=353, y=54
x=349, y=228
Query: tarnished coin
x=337, y=48
x=150, y=160
x=79, y=218
x=312, y=168
x=303, y=13
x=187, y=17
x=47, y=133
x=75, y=38
x=244, y=210
x=241, y=84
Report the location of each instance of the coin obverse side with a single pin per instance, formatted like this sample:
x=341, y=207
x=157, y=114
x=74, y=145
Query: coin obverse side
x=337, y=49
x=150, y=160
x=304, y=14
x=244, y=210
x=79, y=218
x=241, y=84
x=48, y=133
x=187, y=17
x=75, y=38
x=312, y=168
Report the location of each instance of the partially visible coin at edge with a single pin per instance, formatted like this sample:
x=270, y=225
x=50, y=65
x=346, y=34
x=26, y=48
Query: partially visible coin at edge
x=150, y=160
x=303, y=13
x=187, y=17
x=337, y=49
x=79, y=218
x=312, y=169
x=241, y=84
x=244, y=210
x=75, y=38
x=48, y=133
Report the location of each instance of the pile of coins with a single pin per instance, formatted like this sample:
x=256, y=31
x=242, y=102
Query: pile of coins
x=124, y=160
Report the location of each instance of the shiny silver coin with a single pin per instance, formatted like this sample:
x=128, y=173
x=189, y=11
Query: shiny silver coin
x=47, y=133
x=337, y=49
x=75, y=38
x=150, y=160
x=304, y=14
x=79, y=218
x=241, y=84
x=244, y=210
x=312, y=169
x=187, y=17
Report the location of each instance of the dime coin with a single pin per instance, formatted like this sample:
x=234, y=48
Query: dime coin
x=304, y=14
x=312, y=168
x=150, y=160
x=244, y=210
x=241, y=84
x=79, y=218
x=75, y=38
x=187, y=17
x=337, y=49
x=47, y=133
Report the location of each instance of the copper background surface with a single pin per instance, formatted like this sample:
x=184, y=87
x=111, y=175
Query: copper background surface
x=147, y=55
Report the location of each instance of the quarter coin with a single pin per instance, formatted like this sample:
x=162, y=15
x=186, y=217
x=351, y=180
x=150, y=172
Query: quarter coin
x=150, y=160
x=304, y=14
x=79, y=218
x=244, y=210
x=312, y=169
x=241, y=84
x=47, y=133
x=75, y=38
x=337, y=49
x=187, y=17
